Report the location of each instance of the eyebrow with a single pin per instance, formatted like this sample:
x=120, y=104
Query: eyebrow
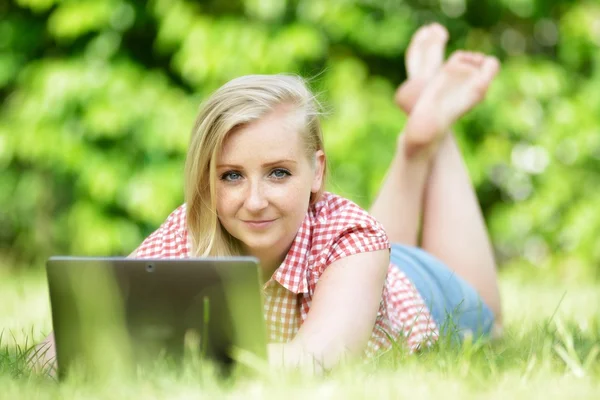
x=265, y=165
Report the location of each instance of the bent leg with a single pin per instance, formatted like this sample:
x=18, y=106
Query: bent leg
x=435, y=184
x=399, y=203
x=453, y=226
x=400, y=200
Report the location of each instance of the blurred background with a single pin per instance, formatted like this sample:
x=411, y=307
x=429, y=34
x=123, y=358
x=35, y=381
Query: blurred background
x=98, y=98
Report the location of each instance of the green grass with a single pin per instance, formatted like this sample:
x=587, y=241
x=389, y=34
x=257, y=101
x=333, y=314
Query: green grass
x=549, y=350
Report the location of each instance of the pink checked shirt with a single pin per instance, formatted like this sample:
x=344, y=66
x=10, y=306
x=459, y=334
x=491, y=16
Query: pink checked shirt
x=332, y=229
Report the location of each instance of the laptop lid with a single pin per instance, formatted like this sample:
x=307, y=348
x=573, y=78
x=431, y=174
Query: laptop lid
x=139, y=311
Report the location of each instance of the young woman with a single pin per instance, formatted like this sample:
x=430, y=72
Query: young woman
x=255, y=172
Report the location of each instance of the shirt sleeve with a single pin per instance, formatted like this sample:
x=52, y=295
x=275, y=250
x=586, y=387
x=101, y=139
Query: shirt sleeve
x=167, y=241
x=350, y=230
x=355, y=232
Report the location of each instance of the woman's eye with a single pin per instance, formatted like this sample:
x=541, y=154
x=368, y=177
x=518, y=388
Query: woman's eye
x=231, y=176
x=280, y=173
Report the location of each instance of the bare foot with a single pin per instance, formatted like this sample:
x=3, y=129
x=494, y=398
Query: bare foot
x=424, y=58
x=456, y=88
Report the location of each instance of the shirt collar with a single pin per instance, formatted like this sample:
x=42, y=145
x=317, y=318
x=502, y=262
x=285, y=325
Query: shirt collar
x=292, y=274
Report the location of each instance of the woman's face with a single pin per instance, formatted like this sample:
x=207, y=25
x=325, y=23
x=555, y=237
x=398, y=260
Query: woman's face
x=264, y=183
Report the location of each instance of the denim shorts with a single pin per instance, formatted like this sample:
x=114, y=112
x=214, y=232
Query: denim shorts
x=454, y=304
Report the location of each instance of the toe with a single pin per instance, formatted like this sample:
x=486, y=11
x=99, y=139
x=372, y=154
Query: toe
x=439, y=30
x=475, y=59
x=422, y=33
x=489, y=67
x=459, y=56
x=418, y=37
x=468, y=58
x=488, y=70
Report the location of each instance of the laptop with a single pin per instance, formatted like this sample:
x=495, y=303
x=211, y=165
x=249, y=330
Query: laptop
x=110, y=313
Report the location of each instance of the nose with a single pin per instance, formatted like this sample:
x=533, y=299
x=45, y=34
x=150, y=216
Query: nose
x=255, y=198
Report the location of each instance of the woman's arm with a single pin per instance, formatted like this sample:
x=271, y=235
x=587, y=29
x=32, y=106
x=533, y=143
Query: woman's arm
x=342, y=314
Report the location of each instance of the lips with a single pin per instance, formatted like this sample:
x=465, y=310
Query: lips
x=259, y=224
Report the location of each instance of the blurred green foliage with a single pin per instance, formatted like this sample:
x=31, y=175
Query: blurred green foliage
x=99, y=98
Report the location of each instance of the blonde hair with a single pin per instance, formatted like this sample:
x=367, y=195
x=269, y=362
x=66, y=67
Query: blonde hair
x=238, y=102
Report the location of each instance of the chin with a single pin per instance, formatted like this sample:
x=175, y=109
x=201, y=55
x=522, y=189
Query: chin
x=260, y=246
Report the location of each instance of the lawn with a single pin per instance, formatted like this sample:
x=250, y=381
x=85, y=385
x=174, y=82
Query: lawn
x=550, y=350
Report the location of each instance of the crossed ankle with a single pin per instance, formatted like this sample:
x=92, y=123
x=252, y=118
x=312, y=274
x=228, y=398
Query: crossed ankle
x=408, y=94
x=415, y=152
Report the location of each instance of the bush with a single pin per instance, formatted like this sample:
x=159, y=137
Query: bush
x=99, y=98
